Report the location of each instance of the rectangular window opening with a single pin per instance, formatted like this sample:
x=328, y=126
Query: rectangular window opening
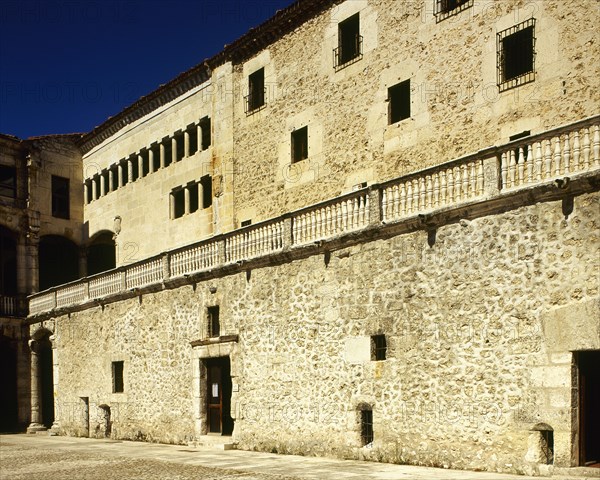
x=155, y=157
x=135, y=170
x=256, y=91
x=299, y=144
x=145, y=163
x=349, y=42
x=179, y=142
x=193, y=193
x=213, y=321
x=8, y=181
x=378, y=347
x=245, y=223
x=516, y=55
x=206, y=182
x=124, y=172
x=60, y=197
x=178, y=199
x=399, y=102
x=168, y=149
x=96, y=181
x=206, y=133
x=448, y=8
x=117, y=377
x=193, y=139
x=366, y=426
x=115, y=177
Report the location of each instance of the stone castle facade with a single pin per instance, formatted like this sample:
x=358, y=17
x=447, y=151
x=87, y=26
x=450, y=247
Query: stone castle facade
x=366, y=229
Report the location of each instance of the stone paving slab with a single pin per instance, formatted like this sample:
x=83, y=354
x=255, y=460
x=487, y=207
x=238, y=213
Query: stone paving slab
x=39, y=457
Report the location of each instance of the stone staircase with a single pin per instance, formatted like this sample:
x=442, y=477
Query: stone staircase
x=215, y=442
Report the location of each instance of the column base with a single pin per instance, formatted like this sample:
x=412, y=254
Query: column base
x=54, y=429
x=36, y=427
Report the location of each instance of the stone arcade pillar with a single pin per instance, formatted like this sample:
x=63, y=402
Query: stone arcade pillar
x=54, y=430
x=186, y=193
x=36, y=381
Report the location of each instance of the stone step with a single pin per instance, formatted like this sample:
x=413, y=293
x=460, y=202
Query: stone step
x=572, y=472
x=216, y=442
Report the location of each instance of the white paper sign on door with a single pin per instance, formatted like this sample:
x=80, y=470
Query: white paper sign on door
x=215, y=390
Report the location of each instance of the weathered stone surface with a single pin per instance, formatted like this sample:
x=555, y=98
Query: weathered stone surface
x=470, y=359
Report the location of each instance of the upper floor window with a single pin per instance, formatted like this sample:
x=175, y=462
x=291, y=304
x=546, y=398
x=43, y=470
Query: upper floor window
x=399, y=102
x=213, y=321
x=117, y=377
x=299, y=144
x=60, y=197
x=8, y=181
x=516, y=55
x=446, y=8
x=256, y=91
x=349, y=42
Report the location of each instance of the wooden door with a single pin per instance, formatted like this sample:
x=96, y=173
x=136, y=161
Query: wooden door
x=215, y=398
x=589, y=408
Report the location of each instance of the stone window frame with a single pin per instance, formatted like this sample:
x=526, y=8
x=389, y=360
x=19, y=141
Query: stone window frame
x=7, y=186
x=299, y=143
x=397, y=95
x=443, y=9
x=213, y=318
x=503, y=56
x=256, y=99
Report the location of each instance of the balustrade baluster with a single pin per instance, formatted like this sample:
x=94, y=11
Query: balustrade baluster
x=472, y=179
x=384, y=205
x=576, y=150
x=521, y=167
x=443, y=187
x=548, y=160
x=396, y=203
x=416, y=195
x=512, y=168
x=557, y=156
x=354, y=212
x=450, y=191
x=409, y=197
x=457, y=184
x=422, y=193
x=313, y=225
x=567, y=155
x=436, y=189
x=344, y=216
x=529, y=163
x=402, y=201
x=429, y=192
x=597, y=146
x=586, y=148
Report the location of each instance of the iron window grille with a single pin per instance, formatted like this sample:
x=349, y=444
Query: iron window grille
x=548, y=446
x=213, y=321
x=344, y=56
x=448, y=8
x=516, y=55
x=378, y=347
x=366, y=426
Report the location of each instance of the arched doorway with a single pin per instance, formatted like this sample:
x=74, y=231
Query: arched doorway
x=8, y=263
x=8, y=382
x=101, y=253
x=58, y=261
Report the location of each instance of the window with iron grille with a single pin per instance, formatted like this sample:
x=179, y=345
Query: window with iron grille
x=213, y=321
x=399, y=102
x=349, y=47
x=516, y=55
x=256, y=91
x=447, y=8
x=366, y=426
x=117, y=377
x=548, y=446
x=378, y=347
x=299, y=144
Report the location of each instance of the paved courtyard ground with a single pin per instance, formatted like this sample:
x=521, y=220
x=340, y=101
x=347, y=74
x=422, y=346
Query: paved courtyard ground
x=40, y=457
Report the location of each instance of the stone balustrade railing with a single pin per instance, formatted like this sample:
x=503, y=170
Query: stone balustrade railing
x=537, y=159
x=332, y=218
x=557, y=153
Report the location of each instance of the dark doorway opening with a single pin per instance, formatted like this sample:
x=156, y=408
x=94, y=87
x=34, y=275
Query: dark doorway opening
x=101, y=253
x=588, y=363
x=8, y=385
x=218, y=395
x=46, y=382
x=59, y=261
x=8, y=263
x=85, y=401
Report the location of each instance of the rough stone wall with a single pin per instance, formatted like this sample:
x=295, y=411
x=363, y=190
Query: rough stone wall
x=456, y=107
x=475, y=359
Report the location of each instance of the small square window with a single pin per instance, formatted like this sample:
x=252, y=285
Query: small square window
x=448, y=8
x=399, y=102
x=349, y=47
x=366, y=426
x=378, y=347
x=213, y=321
x=516, y=55
x=256, y=91
x=299, y=144
x=117, y=377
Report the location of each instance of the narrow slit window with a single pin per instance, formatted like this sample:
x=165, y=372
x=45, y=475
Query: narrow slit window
x=145, y=163
x=135, y=171
x=366, y=426
x=155, y=157
x=115, y=177
x=299, y=144
x=399, y=102
x=213, y=321
x=117, y=377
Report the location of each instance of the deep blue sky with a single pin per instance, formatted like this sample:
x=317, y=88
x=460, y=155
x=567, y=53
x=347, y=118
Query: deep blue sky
x=66, y=66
